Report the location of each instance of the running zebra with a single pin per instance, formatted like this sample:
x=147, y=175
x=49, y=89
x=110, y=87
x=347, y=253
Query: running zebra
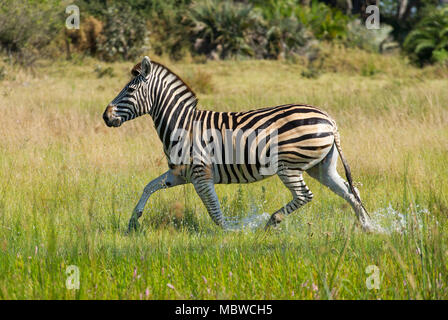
x=245, y=146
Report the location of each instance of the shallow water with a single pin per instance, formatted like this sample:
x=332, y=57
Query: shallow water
x=389, y=220
x=384, y=220
x=250, y=223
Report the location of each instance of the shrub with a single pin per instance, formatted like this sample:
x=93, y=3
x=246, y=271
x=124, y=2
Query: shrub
x=87, y=37
x=428, y=42
x=169, y=33
x=285, y=34
x=326, y=23
x=368, y=39
x=124, y=35
x=200, y=81
x=281, y=29
x=224, y=29
x=26, y=29
x=102, y=72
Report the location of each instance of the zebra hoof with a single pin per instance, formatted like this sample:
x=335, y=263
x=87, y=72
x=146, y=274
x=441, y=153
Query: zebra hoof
x=134, y=225
x=368, y=228
x=275, y=219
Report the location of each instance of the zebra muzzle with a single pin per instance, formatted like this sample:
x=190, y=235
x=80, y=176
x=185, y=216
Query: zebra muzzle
x=116, y=122
x=110, y=119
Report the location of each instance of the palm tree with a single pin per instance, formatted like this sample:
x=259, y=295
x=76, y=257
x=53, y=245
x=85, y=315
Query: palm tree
x=428, y=42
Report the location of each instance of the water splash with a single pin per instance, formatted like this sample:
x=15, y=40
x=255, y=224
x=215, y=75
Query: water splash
x=250, y=223
x=385, y=220
x=389, y=220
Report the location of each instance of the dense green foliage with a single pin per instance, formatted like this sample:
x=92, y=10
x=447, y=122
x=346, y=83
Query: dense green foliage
x=125, y=34
x=224, y=28
x=216, y=29
x=28, y=27
x=325, y=22
x=428, y=42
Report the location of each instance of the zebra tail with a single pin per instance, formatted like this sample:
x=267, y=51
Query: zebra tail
x=348, y=174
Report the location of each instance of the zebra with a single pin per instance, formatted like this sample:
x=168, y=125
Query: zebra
x=307, y=139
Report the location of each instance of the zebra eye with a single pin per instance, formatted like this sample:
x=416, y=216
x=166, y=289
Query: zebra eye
x=131, y=89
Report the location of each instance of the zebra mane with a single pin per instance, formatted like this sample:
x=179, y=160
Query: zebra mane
x=137, y=69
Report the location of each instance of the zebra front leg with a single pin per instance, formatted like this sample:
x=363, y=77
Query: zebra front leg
x=293, y=180
x=166, y=180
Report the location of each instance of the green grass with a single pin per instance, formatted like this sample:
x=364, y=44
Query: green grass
x=69, y=184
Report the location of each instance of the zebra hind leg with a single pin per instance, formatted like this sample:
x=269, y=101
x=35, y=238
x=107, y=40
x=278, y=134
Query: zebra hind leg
x=205, y=187
x=325, y=172
x=293, y=180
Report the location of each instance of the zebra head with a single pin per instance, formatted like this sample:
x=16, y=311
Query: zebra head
x=133, y=101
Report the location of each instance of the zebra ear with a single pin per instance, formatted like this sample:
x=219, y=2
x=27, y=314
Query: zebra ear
x=146, y=66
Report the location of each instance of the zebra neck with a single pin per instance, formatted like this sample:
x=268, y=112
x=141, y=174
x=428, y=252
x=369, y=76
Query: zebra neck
x=175, y=111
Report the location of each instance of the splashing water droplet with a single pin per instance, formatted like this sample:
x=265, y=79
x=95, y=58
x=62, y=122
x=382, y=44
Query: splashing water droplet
x=389, y=220
x=250, y=223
